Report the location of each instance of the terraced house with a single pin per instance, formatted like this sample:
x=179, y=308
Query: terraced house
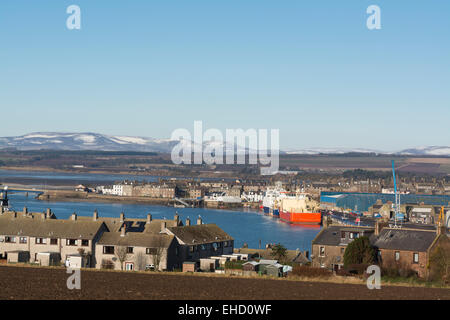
x=160, y=244
x=406, y=249
x=329, y=245
x=42, y=239
x=116, y=243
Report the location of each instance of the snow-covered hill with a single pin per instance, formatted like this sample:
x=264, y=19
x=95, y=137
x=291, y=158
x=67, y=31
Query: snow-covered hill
x=95, y=141
x=85, y=141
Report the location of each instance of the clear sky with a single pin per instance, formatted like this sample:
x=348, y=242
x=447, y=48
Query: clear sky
x=309, y=68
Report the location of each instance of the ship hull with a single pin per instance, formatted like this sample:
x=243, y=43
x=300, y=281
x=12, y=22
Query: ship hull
x=314, y=218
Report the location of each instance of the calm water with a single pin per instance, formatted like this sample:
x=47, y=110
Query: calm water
x=244, y=226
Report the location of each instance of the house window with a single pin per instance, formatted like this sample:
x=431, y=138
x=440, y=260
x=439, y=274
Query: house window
x=342, y=250
x=203, y=246
x=397, y=255
x=152, y=251
x=415, y=257
x=191, y=249
x=10, y=239
x=71, y=242
x=129, y=249
x=23, y=240
x=322, y=252
x=85, y=243
x=215, y=246
x=108, y=249
x=41, y=241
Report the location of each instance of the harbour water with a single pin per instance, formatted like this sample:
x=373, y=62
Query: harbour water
x=247, y=226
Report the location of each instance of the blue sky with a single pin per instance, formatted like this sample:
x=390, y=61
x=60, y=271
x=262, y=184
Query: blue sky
x=309, y=68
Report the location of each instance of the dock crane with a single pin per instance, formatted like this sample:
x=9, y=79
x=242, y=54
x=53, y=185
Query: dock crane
x=397, y=214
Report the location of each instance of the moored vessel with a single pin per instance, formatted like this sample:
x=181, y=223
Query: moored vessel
x=300, y=210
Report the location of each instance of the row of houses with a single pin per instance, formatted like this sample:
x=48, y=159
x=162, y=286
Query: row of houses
x=170, y=190
x=103, y=242
x=409, y=248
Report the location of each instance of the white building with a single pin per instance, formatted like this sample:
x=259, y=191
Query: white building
x=252, y=196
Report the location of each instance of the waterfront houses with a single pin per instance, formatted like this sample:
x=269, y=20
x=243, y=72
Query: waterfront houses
x=405, y=249
x=329, y=245
x=34, y=237
x=113, y=243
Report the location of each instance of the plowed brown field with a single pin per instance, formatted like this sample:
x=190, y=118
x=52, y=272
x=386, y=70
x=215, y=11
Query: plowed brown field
x=46, y=283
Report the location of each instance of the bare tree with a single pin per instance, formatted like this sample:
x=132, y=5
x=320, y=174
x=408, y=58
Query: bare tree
x=440, y=260
x=121, y=253
x=158, y=252
x=140, y=261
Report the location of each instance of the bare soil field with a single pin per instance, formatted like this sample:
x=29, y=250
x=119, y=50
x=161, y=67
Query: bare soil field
x=18, y=283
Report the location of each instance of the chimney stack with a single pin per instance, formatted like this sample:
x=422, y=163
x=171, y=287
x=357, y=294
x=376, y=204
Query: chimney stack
x=15, y=214
x=163, y=226
x=199, y=220
x=123, y=230
x=74, y=216
x=149, y=218
x=95, y=216
x=25, y=211
x=379, y=225
x=122, y=217
x=48, y=213
x=188, y=222
x=176, y=218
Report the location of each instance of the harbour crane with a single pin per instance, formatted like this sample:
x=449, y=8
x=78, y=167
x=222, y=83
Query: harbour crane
x=397, y=214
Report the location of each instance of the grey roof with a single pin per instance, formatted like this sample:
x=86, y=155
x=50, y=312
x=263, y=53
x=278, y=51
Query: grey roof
x=265, y=261
x=136, y=239
x=51, y=228
x=134, y=224
x=405, y=239
x=331, y=236
x=199, y=234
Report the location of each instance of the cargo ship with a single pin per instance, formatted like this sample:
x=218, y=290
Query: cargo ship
x=270, y=197
x=300, y=210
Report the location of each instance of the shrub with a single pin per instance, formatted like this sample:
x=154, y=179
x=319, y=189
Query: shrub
x=107, y=264
x=310, y=272
x=356, y=269
x=279, y=252
x=440, y=261
x=234, y=264
x=359, y=251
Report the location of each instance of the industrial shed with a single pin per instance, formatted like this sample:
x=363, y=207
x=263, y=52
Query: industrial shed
x=251, y=266
x=275, y=270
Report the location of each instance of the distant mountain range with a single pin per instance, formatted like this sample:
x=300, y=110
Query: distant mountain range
x=95, y=141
